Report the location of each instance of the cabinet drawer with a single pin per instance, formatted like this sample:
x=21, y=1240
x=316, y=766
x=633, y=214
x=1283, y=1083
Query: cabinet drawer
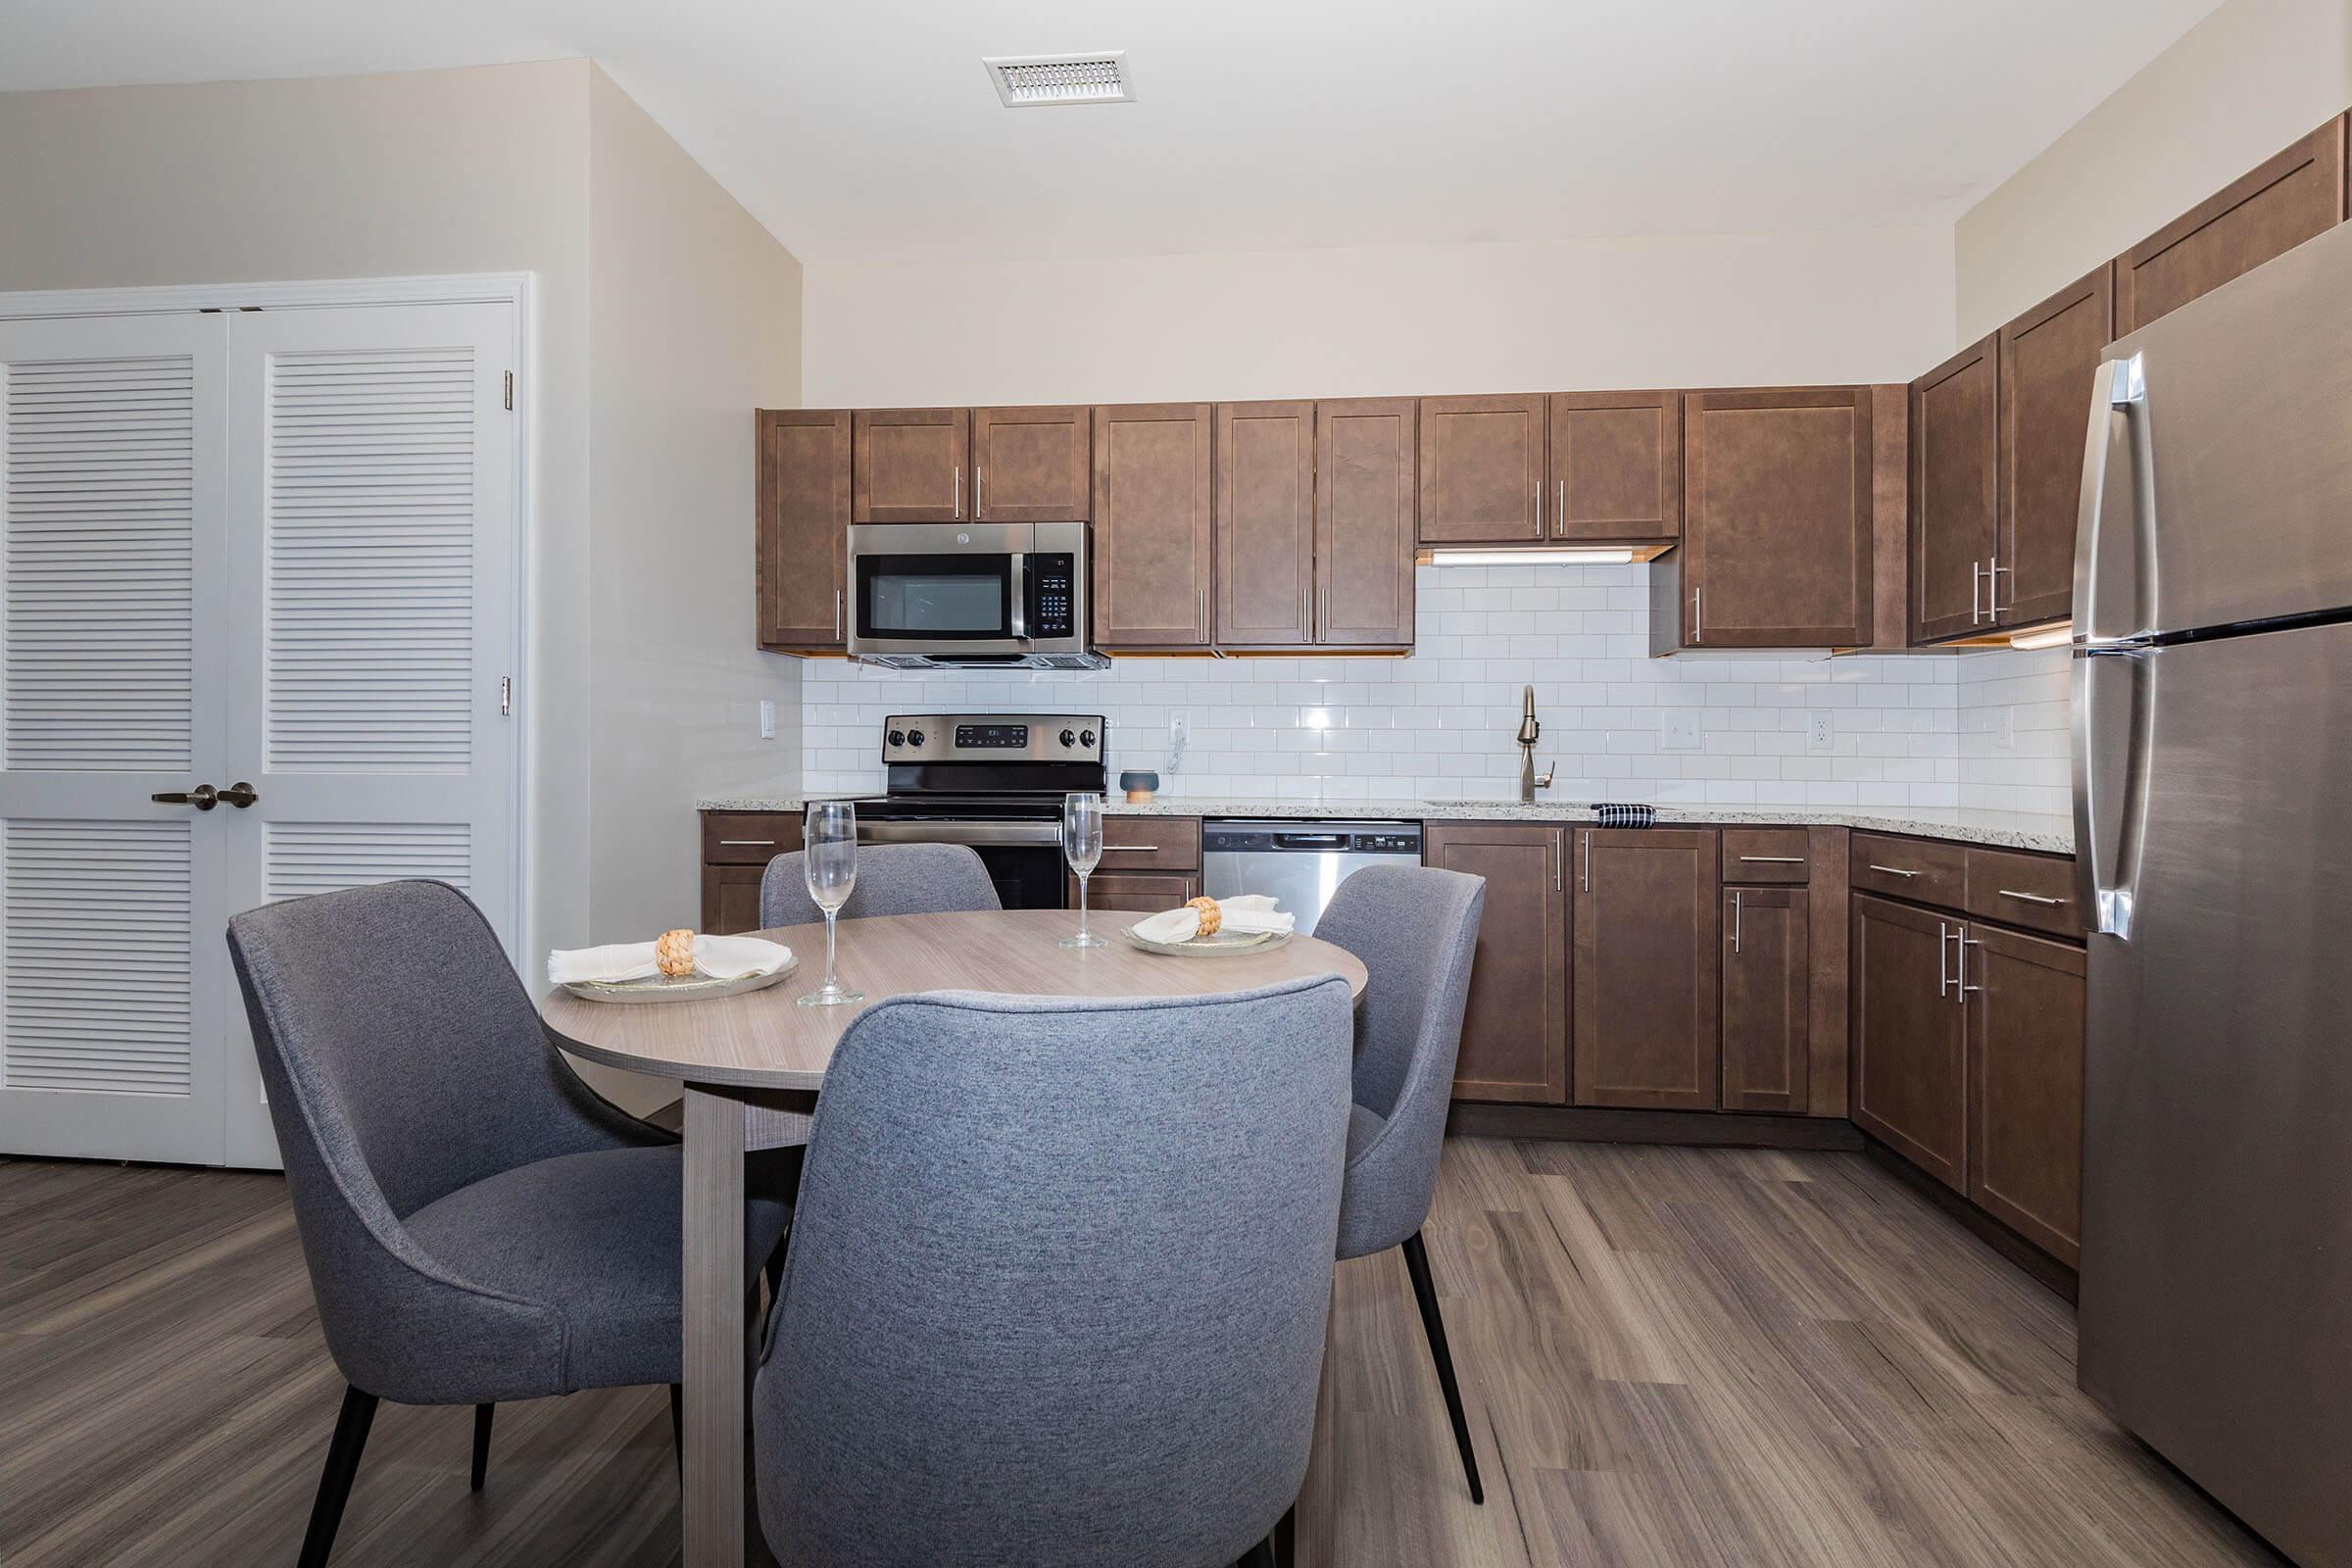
x=1138, y=892
x=1150, y=843
x=749, y=838
x=1765, y=854
x=2032, y=890
x=1910, y=868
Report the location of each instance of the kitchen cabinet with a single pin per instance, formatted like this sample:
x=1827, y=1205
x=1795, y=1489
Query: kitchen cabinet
x=1150, y=843
x=731, y=899
x=1779, y=508
x=802, y=533
x=1483, y=469
x=1616, y=466
x=2047, y=358
x=1036, y=465
x=1909, y=1042
x=1761, y=854
x=1515, y=1025
x=1364, y=519
x=1955, y=490
x=2266, y=212
x=1646, y=974
x=1154, y=552
x=2025, y=1002
x=1265, y=525
x=1135, y=892
x=1767, y=998
x=736, y=849
x=909, y=464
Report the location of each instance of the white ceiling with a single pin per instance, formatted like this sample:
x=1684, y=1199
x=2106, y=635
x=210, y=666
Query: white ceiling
x=866, y=129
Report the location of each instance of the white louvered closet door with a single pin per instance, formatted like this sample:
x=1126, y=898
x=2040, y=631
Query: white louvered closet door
x=372, y=570
x=114, y=992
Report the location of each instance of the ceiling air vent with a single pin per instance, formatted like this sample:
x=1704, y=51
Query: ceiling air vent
x=1033, y=81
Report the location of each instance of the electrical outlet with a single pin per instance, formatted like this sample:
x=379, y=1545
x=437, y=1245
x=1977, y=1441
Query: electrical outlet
x=1180, y=730
x=2005, y=728
x=1678, y=730
x=1821, y=733
x=768, y=719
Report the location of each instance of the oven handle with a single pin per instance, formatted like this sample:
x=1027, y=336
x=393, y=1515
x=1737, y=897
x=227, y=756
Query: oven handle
x=958, y=833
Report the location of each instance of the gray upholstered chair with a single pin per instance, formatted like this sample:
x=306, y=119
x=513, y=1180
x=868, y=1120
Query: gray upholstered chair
x=1058, y=1282
x=478, y=1225
x=1416, y=929
x=892, y=879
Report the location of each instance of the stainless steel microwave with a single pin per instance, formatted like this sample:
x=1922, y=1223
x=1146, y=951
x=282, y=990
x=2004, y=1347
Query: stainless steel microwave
x=970, y=595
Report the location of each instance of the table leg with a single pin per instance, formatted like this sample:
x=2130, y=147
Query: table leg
x=715, y=1327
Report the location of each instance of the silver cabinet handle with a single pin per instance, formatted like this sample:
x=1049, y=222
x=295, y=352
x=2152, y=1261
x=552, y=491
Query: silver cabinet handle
x=1965, y=942
x=1699, y=627
x=959, y=492
x=1539, y=508
x=1992, y=588
x=1943, y=960
x=977, y=470
x=1306, y=611
x=836, y=612
x=1132, y=849
x=1735, y=919
x=1775, y=859
x=1586, y=881
x=1557, y=855
x=1891, y=871
x=1976, y=591
x=750, y=843
x=2031, y=898
x=1559, y=514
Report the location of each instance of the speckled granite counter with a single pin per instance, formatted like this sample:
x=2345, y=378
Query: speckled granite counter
x=2010, y=830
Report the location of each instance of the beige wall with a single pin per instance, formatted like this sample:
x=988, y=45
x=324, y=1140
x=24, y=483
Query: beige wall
x=1725, y=310
x=2237, y=87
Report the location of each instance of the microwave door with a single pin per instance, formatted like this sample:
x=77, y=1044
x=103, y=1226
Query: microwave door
x=936, y=604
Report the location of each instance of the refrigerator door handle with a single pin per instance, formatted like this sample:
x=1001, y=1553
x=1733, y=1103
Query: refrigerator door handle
x=2113, y=706
x=2111, y=598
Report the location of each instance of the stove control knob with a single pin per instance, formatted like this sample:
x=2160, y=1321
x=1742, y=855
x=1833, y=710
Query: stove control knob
x=1068, y=739
x=897, y=737
x=1086, y=738
x=914, y=737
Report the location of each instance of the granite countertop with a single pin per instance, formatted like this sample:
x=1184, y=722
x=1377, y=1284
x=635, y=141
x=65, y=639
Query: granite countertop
x=2010, y=830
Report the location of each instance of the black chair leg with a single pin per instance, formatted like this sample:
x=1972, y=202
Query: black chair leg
x=678, y=1425
x=1425, y=1290
x=335, y=1482
x=481, y=1442
x=1286, y=1539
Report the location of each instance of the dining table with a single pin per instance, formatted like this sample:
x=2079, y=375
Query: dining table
x=753, y=1063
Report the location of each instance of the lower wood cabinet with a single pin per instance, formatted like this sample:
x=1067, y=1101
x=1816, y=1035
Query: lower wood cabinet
x=731, y=899
x=2024, y=1101
x=1515, y=1027
x=1910, y=1036
x=1645, y=984
x=1767, y=998
x=1142, y=892
x=736, y=849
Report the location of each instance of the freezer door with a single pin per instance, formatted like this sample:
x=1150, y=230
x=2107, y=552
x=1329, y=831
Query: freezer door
x=2217, y=1227
x=2218, y=470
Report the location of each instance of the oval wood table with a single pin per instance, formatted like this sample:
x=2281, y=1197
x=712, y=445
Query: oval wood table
x=752, y=1065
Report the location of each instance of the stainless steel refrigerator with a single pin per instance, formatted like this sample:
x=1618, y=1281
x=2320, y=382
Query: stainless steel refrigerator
x=2213, y=809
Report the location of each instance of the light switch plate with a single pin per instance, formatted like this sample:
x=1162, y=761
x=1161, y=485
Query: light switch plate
x=767, y=719
x=1678, y=730
x=1821, y=733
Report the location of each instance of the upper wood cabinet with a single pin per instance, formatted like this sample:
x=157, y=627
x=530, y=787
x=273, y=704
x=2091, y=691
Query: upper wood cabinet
x=1265, y=524
x=2025, y=1102
x=1152, y=543
x=802, y=533
x=2047, y=358
x=1645, y=981
x=2266, y=213
x=1778, y=514
x=1767, y=998
x=1955, y=461
x=1909, y=1036
x=909, y=464
x=1483, y=469
x=1515, y=1026
x=1364, y=490
x=1031, y=464
x=1616, y=466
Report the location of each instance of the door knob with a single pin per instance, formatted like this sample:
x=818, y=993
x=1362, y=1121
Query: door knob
x=203, y=797
x=239, y=795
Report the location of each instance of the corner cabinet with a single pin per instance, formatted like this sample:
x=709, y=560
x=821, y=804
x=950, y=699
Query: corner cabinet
x=803, y=527
x=2047, y=358
x=1515, y=1026
x=1955, y=490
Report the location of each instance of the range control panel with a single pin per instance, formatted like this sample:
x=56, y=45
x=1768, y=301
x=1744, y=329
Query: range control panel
x=994, y=738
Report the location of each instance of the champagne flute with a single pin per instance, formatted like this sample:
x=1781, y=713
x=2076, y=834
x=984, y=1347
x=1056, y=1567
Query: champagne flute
x=829, y=866
x=1082, y=846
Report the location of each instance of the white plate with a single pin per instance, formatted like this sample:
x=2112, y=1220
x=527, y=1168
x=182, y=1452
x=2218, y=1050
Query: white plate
x=689, y=988
x=1219, y=945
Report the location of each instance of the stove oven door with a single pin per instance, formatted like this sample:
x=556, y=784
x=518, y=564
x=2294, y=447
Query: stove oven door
x=1023, y=858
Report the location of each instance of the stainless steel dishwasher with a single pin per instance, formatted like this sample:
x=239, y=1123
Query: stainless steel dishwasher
x=1301, y=864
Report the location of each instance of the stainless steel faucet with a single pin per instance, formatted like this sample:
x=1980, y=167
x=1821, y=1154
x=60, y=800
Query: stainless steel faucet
x=1529, y=780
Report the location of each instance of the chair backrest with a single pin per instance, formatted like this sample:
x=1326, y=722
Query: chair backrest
x=1059, y=1281
x=1416, y=930
x=892, y=879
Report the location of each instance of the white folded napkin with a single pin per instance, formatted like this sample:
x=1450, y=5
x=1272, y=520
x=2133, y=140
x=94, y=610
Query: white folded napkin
x=1244, y=914
x=716, y=957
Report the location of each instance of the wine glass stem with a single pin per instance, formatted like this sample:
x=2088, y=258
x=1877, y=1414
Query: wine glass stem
x=1082, y=932
x=831, y=984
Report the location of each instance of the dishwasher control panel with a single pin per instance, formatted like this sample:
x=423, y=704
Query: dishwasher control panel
x=1311, y=838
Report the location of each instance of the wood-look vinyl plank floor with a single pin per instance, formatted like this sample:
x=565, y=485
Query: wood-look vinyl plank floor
x=1719, y=1358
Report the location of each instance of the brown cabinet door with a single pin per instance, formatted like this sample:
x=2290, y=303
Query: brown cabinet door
x=2265, y=214
x=1134, y=892
x=909, y=464
x=1152, y=538
x=2025, y=1112
x=1364, y=523
x=1265, y=524
x=803, y=536
x=1767, y=998
x=1777, y=517
x=1032, y=464
x=1955, y=492
x=2047, y=357
x=1645, y=967
x=1616, y=466
x=731, y=899
x=1515, y=1028
x=1481, y=470
x=1909, y=1036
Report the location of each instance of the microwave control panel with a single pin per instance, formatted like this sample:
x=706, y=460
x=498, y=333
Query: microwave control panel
x=1052, y=595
